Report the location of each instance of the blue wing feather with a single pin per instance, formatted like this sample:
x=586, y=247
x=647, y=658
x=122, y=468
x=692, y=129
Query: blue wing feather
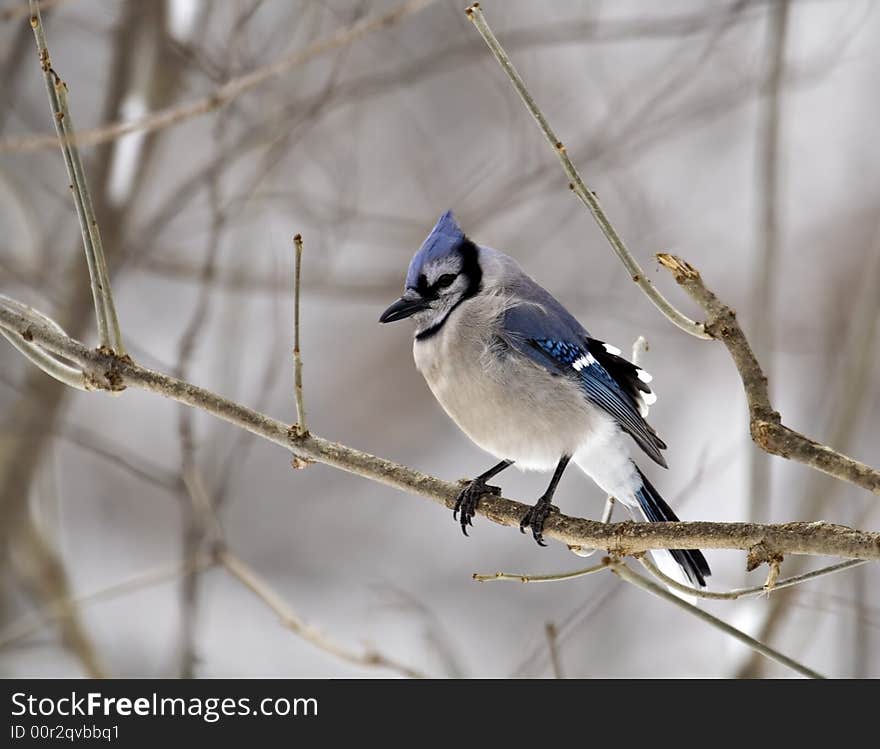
x=546, y=332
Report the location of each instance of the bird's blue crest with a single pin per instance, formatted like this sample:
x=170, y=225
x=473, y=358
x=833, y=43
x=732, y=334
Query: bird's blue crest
x=443, y=239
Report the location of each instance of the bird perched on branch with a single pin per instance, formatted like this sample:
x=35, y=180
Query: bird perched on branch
x=526, y=382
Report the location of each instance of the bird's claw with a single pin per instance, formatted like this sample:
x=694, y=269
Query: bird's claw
x=535, y=518
x=468, y=499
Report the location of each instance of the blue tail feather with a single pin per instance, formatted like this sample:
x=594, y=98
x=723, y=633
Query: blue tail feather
x=656, y=510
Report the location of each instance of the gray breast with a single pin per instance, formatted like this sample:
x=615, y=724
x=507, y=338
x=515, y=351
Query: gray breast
x=508, y=405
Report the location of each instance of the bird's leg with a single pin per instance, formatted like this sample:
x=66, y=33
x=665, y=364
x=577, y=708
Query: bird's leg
x=469, y=497
x=536, y=516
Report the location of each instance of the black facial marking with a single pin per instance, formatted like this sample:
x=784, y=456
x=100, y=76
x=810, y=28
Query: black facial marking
x=422, y=287
x=470, y=269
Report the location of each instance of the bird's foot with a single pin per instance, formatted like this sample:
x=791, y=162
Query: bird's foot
x=469, y=498
x=535, y=518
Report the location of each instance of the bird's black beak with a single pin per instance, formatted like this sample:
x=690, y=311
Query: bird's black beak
x=403, y=308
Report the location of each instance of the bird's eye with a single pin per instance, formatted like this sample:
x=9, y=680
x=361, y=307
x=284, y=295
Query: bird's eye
x=445, y=280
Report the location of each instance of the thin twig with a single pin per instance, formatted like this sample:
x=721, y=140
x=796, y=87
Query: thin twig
x=639, y=349
x=609, y=509
x=772, y=580
x=729, y=595
x=767, y=429
x=520, y=578
x=587, y=196
x=197, y=507
x=49, y=364
x=40, y=567
x=106, y=371
x=105, y=311
x=230, y=90
x=24, y=9
x=26, y=452
x=301, y=427
x=553, y=647
x=625, y=573
x=290, y=619
x=845, y=394
x=30, y=625
x=733, y=595
x=768, y=197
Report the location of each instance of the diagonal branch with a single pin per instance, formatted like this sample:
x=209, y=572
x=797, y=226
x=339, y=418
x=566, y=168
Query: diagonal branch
x=625, y=573
x=586, y=196
x=239, y=570
x=767, y=429
x=106, y=371
x=229, y=91
x=105, y=311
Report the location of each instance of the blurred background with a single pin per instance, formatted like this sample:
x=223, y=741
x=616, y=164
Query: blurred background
x=740, y=135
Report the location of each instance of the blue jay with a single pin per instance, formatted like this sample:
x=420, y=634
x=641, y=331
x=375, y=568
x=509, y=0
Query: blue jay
x=524, y=380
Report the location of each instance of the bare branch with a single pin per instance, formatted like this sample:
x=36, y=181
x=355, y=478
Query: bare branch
x=290, y=619
x=105, y=310
x=301, y=428
x=587, y=196
x=230, y=90
x=774, y=566
x=106, y=371
x=728, y=595
x=27, y=626
x=42, y=570
x=733, y=595
x=24, y=9
x=553, y=647
x=625, y=573
x=622, y=571
x=767, y=195
x=767, y=429
x=554, y=578
x=38, y=356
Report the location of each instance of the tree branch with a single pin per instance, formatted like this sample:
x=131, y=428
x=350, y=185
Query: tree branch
x=737, y=593
x=625, y=573
x=301, y=427
x=106, y=371
x=230, y=90
x=586, y=196
x=766, y=426
x=290, y=619
x=105, y=311
x=38, y=356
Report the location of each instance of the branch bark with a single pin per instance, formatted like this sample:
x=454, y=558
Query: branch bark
x=584, y=194
x=105, y=371
x=766, y=426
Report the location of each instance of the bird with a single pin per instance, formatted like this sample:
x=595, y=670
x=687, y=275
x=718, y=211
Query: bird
x=525, y=381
